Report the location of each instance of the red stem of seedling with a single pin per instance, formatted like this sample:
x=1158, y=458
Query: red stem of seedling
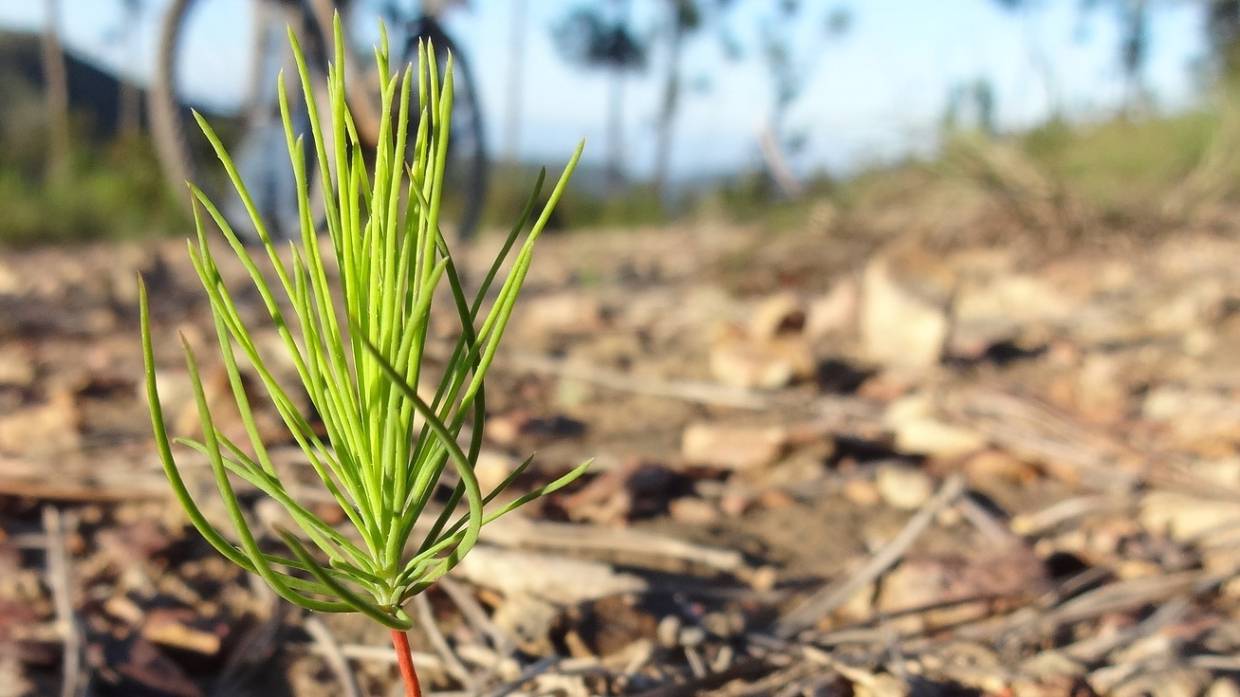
x=404, y=657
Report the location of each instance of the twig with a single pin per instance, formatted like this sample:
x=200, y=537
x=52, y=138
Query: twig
x=59, y=577
x=827, y=599
x=475, y=615
x=747, y=669
x=335, y=658
x=532, y=671
x=1095, y=647
x=522, y=532
x=987, y=523
x=426, y=619
x=1123, y=595
x=1063, y=511
x=711, y=394
x=835, y=411
x=379, y=654
x=1030, y=428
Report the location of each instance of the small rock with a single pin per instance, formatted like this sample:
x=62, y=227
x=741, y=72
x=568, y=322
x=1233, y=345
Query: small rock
x=724, y=624
x=633, y=490
x=835, y=312
x=998, y=466
x=923, y=581
x=668, y=632
x=1185, y=518
x=1052, y=686
x=617, y=622
x=862, y=492
x=763, y=578
x=761, y=364
x=1049, y=664
x=1194, y=415
x=1223, y=687
x=917, y=430
x=10, y=282
x=493, y=468
x=45, y=429
x=180, y=629
x=693, y=511
x=13, y=682
x=560, y=684
x=16, y=366
x=735, y=446
x=692, y=636
x=513, y=428
x=124, y=609
x=778, y=314
x=878, y=684
x=552, y=578
x=905, y=318
x=903, y=487
x=561, y=313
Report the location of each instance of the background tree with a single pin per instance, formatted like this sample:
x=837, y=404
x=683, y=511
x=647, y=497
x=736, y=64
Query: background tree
x=1223, y=35
x=1133, y=20
x=602, y=37
x=126, y=34
x=790, y=68
x=685, y=19
x=56, y=91
x=516, y=79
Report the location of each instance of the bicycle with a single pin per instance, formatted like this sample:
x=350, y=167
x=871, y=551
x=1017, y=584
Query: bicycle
x=255, y=136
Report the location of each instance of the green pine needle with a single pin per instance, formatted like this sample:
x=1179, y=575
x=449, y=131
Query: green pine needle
x=358, y=352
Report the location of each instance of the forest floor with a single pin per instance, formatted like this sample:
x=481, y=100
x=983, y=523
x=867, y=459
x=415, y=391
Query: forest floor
x=829, y=461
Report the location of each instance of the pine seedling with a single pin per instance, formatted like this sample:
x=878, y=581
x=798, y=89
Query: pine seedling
x=358, y=346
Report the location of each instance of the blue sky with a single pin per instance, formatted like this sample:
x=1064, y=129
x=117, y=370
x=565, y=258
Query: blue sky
x=876, y=93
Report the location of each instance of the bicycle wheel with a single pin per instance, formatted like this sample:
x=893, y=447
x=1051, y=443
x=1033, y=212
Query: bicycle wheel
x=198, y=40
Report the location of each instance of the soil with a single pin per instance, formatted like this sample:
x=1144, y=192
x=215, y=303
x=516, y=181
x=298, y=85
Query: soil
x=1084, y=399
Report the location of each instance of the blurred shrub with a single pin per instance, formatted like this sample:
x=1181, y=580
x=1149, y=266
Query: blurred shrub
x=1123, y=165
x=584, y=205
x=111, y=191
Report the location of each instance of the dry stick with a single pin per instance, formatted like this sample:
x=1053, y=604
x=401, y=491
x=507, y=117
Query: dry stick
x=1066, y=510
x=426, y=617
x=622, y=381
x=532, y=671
x=336, y=660
x=404, y=658
x=378, y=654
x=836, y=412
x=827, y=599
x=476, y=616
x=58, y=574
x=1095, y=648
x=519, y=531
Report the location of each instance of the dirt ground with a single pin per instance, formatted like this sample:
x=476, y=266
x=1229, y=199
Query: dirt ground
x=829, y=462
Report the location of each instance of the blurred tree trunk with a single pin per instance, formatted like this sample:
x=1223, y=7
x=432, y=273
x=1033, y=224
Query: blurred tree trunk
x=1134, y=50
x=615, y=112
x=1223, y=30
x=129, y=111
x=516, y=80
x=670, y=104
x=56, y=90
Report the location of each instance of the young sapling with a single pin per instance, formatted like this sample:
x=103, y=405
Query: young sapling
x=355, y=327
